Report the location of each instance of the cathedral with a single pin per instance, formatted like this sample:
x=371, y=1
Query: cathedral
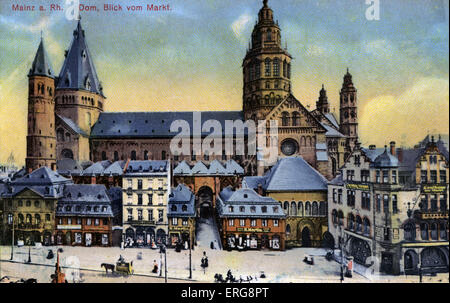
x=66, y=118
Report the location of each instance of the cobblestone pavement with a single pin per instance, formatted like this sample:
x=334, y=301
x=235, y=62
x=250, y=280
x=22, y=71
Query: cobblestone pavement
x=283, y=267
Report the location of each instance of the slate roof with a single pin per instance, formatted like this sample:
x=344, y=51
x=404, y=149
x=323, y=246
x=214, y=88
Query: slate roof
x=97, y=168
x=41, y=177
x=41, y=64
x=78, y=66
x=85, y=195
x=69, y=167
x=372, y=154
x=115, y=169
x=73, y=126
x=322, y=156
x=338, y=180
x=215, y=168
x=246, y=203
x=153, y=124
x=157, y=167
x=290, y=174
x=386, y=159
x=179, y=197
x=332, y=132
x=332, y=119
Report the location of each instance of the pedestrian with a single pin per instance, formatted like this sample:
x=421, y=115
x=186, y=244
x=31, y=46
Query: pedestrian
x=155, y=267
x=212, y=245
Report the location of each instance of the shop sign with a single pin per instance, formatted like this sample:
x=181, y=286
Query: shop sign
x=253, y=230
x=67, y=227
x=433, y=188
x=358, y=186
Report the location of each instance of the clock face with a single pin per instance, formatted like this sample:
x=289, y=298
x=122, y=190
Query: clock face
x=289, y=147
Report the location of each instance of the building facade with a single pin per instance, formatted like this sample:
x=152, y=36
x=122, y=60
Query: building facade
x=146, y=189
x=374, y=216
x=302, y=194
x=250, y=221
x=84, y=216
x=182, y=217
x=28, y=205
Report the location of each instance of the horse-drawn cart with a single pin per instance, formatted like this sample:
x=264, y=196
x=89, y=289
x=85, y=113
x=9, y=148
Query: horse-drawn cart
x=125, y=267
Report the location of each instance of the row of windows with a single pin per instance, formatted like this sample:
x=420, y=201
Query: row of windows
x=253, y=209
x=433, y=178
x=430, y=203
x=297, y=209
x=140, y=215
x=271, y=68
x=40, y=89
x=79, y=208
x=88, y=221
x=184, y=221
x=253, y=222
x=287, y=120
x=28, y=203
x=435, y=231
x=384, y=176
x=29, y=219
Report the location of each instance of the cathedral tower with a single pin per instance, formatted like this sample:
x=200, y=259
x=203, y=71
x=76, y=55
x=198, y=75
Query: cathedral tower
x=79, y=99
x=322, y=104
x=349, y=112
x=41, y=140
x=266, y=67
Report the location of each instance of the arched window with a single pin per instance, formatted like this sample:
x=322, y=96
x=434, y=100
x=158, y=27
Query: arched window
x=285, y=119
x=424, y=231
x=163, y=155
x=293, y=209
x=88, y=119
x=145, y=154
x=308, y=209
x=410, y=232
x=67, y=154
x=341, y=217
x=60, y=135
x=315, y=209
x=68, y=137
x=37, y=219
x=358, y=224
x=300, y=208
x=323, y=209
x=29, y=219
x=116, y=156
x=103, y=156
x=286, y=207
x=269, y=35
x=334, y=216
x=288, y=229
x=366, y=227
x=276, y=67
x=284, y=68
x=21, y=219
x=295, y=119
x=351, y=221
x=267, y=67
x=133, y=155
x=434, y=231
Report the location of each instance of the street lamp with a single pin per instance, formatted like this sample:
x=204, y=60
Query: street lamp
x=341, y=244
x=11, y=221
x=190, y=258
x=163, y=250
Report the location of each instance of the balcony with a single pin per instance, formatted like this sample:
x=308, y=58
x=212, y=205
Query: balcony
x=141, y=222
x=28, y=226
x=425, y=215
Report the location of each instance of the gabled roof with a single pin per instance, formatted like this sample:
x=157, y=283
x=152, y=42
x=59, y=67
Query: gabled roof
x=41, y=64
x=115, y=169
x=72, y=125
x=156, y=124
x=179, y=197
x=97, y=168
x=332, y=119
x=147, y=167
x=215, y=168
x=83, y=196
x=246, y=203
x=332, y=132
x=290, y=174
x=78, y=71
x=42, y=176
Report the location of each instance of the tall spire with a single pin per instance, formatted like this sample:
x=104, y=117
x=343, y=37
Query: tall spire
x=322, y=104
x=78, y=71
x=41, y=64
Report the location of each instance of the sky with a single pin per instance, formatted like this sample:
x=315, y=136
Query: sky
x=190, y=58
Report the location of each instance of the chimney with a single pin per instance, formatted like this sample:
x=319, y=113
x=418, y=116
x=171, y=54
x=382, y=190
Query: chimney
x=372, y=147
x=392, y=144
x=260, y=189
x=400, y=154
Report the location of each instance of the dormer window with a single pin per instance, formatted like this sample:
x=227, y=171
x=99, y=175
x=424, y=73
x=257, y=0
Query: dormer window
x=87, y=83
x=79, y=195
x=184, y=208
x=83, y=54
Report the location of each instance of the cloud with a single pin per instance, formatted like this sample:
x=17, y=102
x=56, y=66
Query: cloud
x=421, y=109
x=240, y=25
x=379, y=48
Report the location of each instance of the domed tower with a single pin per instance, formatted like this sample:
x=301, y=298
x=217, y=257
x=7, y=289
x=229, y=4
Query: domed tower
x=322, y=104
x=79, y=99
x=266, y=68
x=41, y=139
x=349, y=112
